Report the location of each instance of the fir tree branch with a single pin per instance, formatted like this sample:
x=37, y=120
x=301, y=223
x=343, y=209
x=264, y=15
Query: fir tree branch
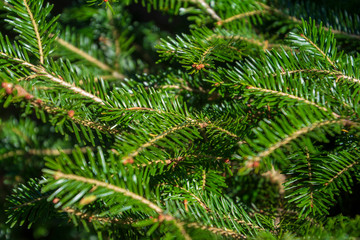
x=222, y=130
x=93, y=217
x=162, y=217
x=115, y=35
x=43, y=73
x=337, y=74
x=57, y=175
x=208, y=9
x=41, y=104
x=152, y=141
x=319, y=50
x=202, y=204
x=296, y=135
x=240, y=16
x=40, y=152
x=89, y=58
x=36, y=31
x=310, y=178
x=292, y=97
x=341, y=172
x=30, y=202
x=215, y=230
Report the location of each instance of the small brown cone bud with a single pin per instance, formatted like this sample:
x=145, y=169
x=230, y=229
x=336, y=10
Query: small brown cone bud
x=71, y=113
x=8, y=90
x=28, y=96
x=128, y=161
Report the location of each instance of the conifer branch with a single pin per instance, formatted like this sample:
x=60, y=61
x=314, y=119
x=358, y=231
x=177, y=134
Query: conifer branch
x=319, y=50
x=215, y=230
x=43, y=73
x=208, y=9
x=30, y=202
x=158, y=137
x=202, y=204
x=58, y=175
x=93, y=217
x=298, y=134
x=292, y=97
x=310, y=179
x=296, y=20
x=222, y=130
x=341, y=172
x=41, y=104
x=337, y=74
x=40, y=152
x=240, y=16
x=83, y=54
x=36, y=31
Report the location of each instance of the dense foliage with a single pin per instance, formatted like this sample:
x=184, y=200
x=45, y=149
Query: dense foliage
x=214, y=119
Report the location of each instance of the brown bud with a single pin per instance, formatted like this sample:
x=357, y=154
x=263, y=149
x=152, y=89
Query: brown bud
x=256, y=164
x=28, y=96
x=6, y=85
x=200, y=66
x=71, y=113
x=128, y=161
x=8, y=90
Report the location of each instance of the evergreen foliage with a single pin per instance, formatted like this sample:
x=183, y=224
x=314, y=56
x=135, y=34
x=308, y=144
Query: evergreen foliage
x=242, y=124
